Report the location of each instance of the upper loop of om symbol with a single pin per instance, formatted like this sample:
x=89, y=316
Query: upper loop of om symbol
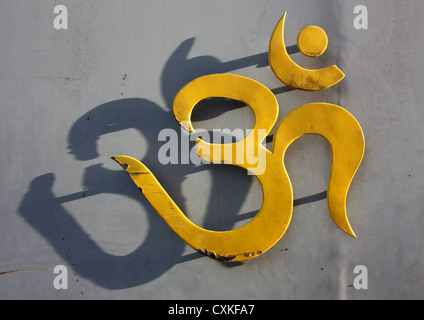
x=337, y=125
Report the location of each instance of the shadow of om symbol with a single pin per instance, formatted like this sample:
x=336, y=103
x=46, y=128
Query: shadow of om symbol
x=334, y=123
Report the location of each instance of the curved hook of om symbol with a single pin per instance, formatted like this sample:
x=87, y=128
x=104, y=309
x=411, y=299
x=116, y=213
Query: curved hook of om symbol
x=312, y=41
x=334, y=123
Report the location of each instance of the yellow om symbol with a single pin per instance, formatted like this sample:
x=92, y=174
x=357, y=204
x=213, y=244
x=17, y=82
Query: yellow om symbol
x=333, y=122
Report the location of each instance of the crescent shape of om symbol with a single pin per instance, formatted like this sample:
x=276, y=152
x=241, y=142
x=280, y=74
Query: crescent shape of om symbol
x=337, y=125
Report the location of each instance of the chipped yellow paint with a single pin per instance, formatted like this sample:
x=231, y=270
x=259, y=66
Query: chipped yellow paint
x=290, y=73
x=333, y=122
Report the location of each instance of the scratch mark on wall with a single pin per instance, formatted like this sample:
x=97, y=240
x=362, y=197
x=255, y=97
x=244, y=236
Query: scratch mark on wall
x=29, y=270
x=40, y=78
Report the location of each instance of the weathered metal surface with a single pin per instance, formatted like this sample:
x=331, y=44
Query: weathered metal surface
x=66, y=110
x=338, y=126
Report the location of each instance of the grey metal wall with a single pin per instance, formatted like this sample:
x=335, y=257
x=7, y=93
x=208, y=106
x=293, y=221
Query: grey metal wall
x=71, y=99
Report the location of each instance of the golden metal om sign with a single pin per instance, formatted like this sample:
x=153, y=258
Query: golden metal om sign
x=337, y=125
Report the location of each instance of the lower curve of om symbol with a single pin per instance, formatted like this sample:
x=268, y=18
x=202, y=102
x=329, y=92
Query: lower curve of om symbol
x=334, y=123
